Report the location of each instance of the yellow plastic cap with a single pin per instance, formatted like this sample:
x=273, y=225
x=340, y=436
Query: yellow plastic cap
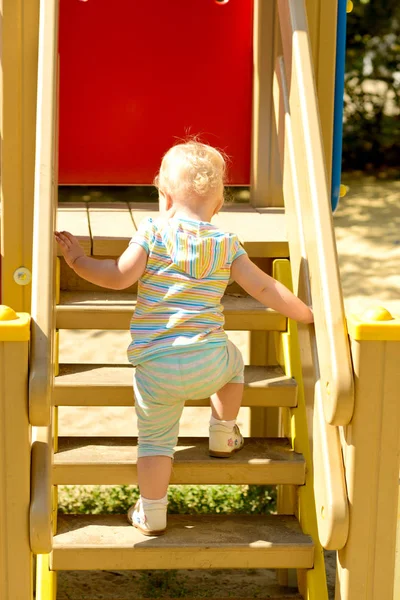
x=377, y=313
x=349, y=6
x=7, y=313
x=14, y=327
x=375, y=324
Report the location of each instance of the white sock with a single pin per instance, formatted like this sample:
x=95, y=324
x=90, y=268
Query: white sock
x=230, y=424
x=147, y=501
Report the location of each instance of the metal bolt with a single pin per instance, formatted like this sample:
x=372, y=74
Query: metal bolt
x=22, y=276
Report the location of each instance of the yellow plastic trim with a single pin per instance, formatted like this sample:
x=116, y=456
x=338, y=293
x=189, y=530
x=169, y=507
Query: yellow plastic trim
x=56, y=353
x=46, y=580
x=46, y=586
x=375, y=324
x=58, y=280
x=56, y=334
x=14, y=327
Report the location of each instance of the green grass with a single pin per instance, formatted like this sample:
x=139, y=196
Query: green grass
x=184, y=499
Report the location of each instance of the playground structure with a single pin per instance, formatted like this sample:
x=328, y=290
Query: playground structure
x=325, y=417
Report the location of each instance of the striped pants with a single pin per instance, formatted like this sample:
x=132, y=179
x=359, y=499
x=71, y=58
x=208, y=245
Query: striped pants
x=162, y=386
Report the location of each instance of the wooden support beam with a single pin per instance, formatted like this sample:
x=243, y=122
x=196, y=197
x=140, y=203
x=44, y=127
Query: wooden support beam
x=366, y=566
x=15, y=458
x=19, y=53
x=266, y=184
x=322, y=17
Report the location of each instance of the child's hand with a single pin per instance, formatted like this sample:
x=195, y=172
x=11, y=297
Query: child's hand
x=310, y=318
x=70, y=247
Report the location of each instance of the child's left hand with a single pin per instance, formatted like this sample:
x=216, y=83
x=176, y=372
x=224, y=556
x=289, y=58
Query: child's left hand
x=70, y=247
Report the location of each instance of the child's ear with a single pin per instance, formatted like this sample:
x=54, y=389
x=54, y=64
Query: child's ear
x=168, y=201
x=165, y=200
x=219, y=206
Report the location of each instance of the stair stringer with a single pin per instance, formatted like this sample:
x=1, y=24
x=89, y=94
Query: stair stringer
x=312, y=582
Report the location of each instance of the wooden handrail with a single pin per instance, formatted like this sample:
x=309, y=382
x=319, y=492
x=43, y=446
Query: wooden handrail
x=326, y=464
x=314, y=216
x=45, y=206
x=40, y=530
x=41, y=378
x=313, y=259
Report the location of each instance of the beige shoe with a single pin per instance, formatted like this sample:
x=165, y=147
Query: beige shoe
x=151, y=522
x=224, y=441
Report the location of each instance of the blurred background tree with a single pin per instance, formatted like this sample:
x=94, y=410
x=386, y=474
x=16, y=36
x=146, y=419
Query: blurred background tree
x=371, y=135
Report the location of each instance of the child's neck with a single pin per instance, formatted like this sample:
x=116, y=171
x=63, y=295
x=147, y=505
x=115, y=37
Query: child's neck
x=196, y=215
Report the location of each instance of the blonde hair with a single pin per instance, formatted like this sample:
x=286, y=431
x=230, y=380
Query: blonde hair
x=192, y=168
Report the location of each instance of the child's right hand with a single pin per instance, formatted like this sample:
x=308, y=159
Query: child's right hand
x=310, y=317
x=70, y=247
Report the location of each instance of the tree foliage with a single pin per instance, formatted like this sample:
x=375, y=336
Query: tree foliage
x=371, y=136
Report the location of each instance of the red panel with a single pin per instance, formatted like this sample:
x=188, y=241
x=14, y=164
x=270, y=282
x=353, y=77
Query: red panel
x=137, y=75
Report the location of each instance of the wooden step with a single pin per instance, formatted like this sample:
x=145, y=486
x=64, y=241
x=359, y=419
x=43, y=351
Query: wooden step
x=107, y=227
x=112, y=461
x=111, y=385
x=113, y=310
x=92, y=542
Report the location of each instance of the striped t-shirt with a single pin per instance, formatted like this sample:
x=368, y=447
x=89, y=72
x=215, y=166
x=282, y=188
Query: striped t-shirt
x=179, y=294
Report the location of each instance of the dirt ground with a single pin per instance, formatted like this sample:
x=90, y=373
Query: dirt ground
x=124, y=585
x=193, y=584
x=367, y=225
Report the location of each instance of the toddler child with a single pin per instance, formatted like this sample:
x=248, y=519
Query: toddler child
x=179, y=347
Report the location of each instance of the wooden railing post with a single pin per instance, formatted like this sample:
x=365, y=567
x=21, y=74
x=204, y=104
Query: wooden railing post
x=371, y=447
x=397, y=565
x=308, y=209
x=266, y=180
x=15, y=460
x=19, y=21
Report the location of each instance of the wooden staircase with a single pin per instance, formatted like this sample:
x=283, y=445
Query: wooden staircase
x=306, y=378
x=97, y=542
